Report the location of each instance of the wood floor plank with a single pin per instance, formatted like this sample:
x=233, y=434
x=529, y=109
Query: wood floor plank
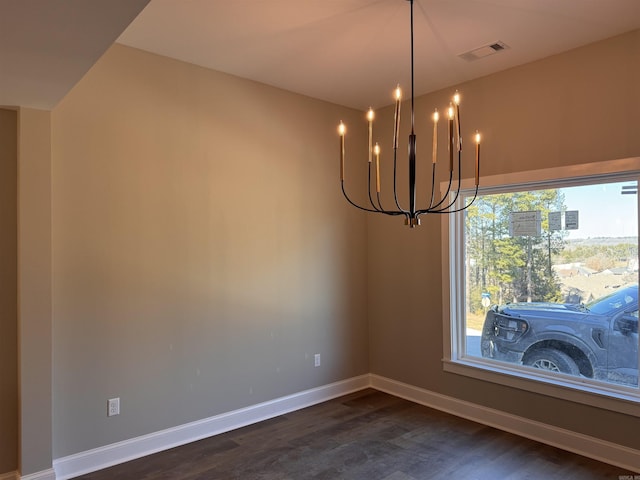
x=368, y=435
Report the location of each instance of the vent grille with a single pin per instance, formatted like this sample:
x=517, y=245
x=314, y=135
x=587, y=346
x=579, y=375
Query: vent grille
x=484, y=51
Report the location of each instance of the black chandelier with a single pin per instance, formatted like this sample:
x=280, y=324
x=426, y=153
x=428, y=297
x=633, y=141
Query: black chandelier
x=447, y=203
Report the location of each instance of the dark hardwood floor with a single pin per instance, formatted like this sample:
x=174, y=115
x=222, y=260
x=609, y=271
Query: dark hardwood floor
x=367, y=435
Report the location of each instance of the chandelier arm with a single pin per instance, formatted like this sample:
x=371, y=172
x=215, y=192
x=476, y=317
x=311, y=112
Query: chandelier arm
x=457, y=193
x=475, y=195
x=352, y=202
x=455, y=198
x=375, y=207
x=386, y=212
x=433, y=185
x=461, y=209
x=459, y=129
x=446, y=209
x=379, y=202
x=389, y=212
x=444, y=197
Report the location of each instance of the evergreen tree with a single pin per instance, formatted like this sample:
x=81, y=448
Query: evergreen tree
x=511, y=268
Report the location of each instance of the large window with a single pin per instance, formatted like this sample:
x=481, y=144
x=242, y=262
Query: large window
x=544, y=281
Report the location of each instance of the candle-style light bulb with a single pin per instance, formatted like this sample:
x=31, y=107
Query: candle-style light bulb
x=436, y=117
x=451, y=137
x=376, y=151
x=456, y=115
x=477, y=138
x=342, y=130
x=370, y=116
x=396, y=117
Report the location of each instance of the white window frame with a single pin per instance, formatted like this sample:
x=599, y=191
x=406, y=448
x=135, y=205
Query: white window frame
x=586, y=391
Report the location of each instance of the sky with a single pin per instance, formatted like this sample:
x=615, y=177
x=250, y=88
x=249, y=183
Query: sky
x=603, y=210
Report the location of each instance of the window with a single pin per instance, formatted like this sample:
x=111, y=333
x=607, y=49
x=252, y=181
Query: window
x=543, y=285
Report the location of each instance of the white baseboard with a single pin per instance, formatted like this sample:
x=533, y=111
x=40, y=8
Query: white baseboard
x=49, y=474
x=614, y=454
x=9, y=476
x=109, y=455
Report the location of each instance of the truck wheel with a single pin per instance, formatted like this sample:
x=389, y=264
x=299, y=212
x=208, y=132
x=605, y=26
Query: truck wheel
x=552, y=360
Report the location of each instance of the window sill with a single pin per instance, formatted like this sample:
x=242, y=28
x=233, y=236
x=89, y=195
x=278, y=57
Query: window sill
x=585, y=392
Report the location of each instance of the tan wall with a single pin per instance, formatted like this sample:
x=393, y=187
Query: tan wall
x=578, y=107
x=34, y=289
x=201, y=250
x=8, y=292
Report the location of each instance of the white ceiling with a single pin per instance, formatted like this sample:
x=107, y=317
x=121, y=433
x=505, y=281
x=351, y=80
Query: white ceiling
x=354, y=52
x=46, y=46
x=350, y=52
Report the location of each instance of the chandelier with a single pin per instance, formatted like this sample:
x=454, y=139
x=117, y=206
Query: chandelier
x=445, y=204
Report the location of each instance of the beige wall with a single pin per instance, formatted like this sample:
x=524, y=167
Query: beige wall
x=202, y=253
x=8, y=292
x=578, y=107
x=34, y=290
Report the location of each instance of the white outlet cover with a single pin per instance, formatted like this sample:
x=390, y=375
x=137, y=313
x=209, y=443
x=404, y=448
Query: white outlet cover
x=113, y=407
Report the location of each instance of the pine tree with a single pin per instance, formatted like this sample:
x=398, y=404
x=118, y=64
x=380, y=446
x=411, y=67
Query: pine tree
x=511, y=268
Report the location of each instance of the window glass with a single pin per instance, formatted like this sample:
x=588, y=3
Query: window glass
x=551, y=280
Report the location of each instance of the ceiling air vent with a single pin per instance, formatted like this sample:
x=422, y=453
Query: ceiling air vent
x=484, y=51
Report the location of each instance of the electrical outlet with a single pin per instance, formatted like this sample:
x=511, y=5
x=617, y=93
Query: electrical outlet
x=113, y=407
x=316, y=360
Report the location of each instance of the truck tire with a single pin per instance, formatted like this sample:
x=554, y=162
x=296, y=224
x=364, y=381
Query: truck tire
x=552, y=360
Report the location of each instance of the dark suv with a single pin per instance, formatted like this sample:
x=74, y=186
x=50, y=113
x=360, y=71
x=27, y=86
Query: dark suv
x=598, y=340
